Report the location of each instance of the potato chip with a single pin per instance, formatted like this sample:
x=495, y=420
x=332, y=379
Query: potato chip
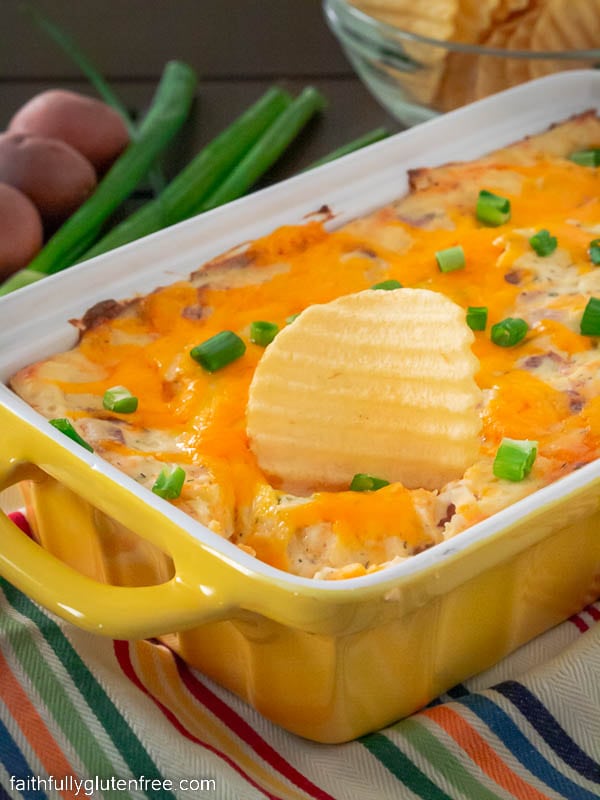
x=513, y=35
x=419, y=66
x=501, y=72
x=457, y=86
x=564, y=25
x=421, y=85
x=517, y=69
x=474, y=20
x=421, y=74
x=441, y=78
x=469, y=76
x=377, y=382
x=508, y=8
x=434, y=19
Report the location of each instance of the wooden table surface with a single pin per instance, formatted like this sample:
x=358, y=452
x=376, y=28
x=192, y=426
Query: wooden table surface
x=237, y=47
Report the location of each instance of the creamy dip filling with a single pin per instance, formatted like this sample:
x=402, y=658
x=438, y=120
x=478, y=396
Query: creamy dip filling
x=546, y=388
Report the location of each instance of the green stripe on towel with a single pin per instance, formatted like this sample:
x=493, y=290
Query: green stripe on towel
x=59, y=703
x=401, y=767
x=442, y=759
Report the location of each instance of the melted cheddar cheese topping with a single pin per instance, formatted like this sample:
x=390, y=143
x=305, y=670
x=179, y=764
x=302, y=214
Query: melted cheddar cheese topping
x=545, y=388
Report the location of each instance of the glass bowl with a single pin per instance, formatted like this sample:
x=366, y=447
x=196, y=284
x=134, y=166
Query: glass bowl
x=417, y=77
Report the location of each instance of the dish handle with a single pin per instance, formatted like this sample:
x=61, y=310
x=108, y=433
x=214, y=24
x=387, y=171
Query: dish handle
x=204, y=587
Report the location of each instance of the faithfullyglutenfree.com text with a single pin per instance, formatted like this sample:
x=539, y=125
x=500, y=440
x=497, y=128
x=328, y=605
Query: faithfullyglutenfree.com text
x=87, y=787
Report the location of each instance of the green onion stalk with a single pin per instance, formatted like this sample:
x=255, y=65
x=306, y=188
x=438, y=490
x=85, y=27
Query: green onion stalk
x=267, y=149
x=200, y=177
x=223, y=170
x=366, y=139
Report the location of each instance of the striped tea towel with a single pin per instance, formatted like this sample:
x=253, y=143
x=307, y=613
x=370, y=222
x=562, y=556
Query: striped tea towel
x=84, y=716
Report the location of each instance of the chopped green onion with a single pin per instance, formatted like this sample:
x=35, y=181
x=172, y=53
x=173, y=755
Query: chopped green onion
x=119, y=399
x=477, y=317
x=262, y=332
x=450, y=259
x=387, y=285
x=64, y=426
x=292, y=317
x=509, y=331
x=586, y=158
x=590, y=320
x=514, y=459
x=218, y=351
x=169, y=483
x=362, y=482
x=492, y=209
x=543, y=243
x=594, y=252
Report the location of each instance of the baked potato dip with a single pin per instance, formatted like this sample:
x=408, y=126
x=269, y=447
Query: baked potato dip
x=499, y=366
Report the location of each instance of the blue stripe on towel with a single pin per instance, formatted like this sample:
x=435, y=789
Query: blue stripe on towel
x=540, y=718
x=16, y=765
x=506, y=730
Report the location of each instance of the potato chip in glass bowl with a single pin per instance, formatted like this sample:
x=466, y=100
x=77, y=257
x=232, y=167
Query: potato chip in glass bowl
x=420, y=58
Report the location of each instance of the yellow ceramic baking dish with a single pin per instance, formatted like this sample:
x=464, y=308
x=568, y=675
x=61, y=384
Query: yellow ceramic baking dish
x=328, y=660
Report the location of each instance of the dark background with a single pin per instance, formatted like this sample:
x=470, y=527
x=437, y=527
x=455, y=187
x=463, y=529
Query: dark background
x=237, y=47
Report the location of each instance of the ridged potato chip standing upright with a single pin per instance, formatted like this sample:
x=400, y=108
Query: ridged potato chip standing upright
x=377, y=382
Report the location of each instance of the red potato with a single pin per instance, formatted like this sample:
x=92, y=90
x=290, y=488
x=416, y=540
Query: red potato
x=21, y=230
x=55, y=177
x=91, y=126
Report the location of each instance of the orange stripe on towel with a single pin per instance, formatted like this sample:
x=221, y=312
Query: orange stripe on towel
x=34, y=728
x=482, y=753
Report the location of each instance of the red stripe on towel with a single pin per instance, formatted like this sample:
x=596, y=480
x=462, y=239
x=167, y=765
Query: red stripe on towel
x=121, y=649
x=242, y=729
